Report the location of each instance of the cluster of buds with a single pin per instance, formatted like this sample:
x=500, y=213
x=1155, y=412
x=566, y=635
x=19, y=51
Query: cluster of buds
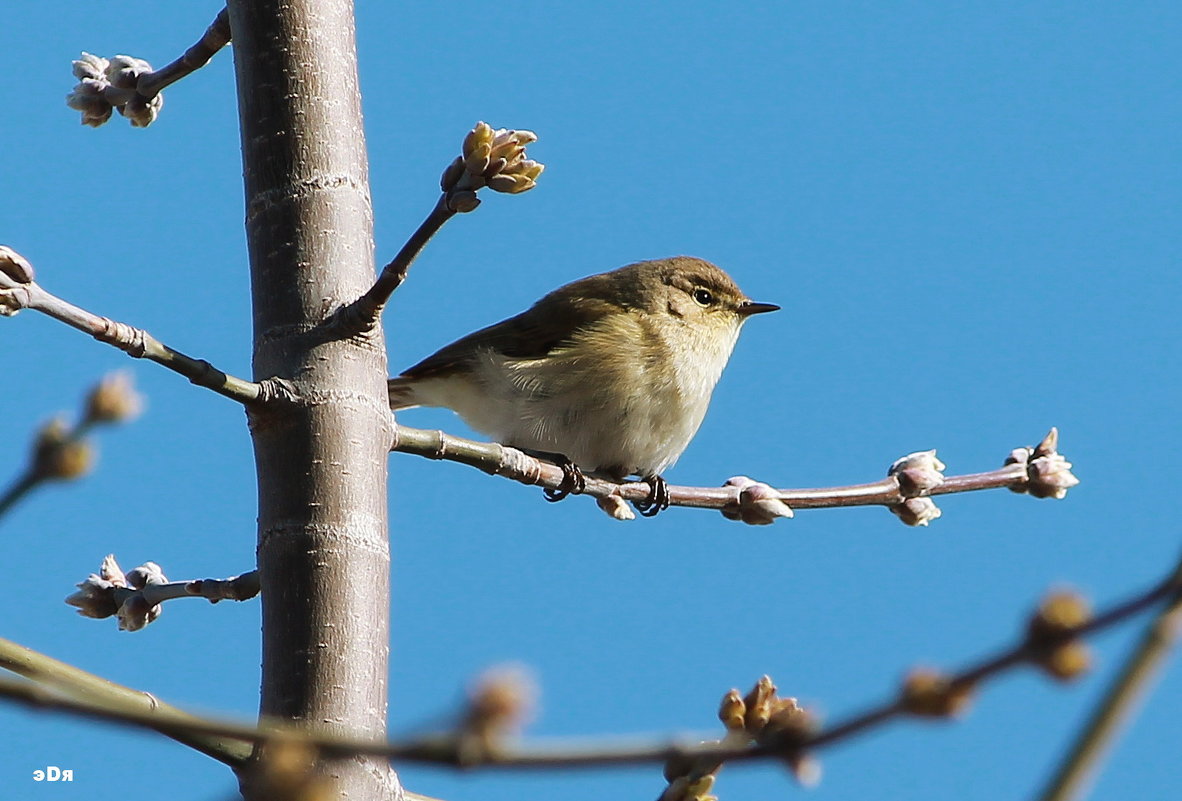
x=58, y=455
x=15, y=266
x=1048, y=474
x=285, y=767
x=689, y=787
x=761, y=717
x=917, y=474
x=113, y=400
x=764, y=717
x=929, y=693
x=60, y=452
x=1049, y=635
x=111, y=592
x=758, y=504
x=105, y=85
x=16, y=273
x=499, y=702
x=492, y=158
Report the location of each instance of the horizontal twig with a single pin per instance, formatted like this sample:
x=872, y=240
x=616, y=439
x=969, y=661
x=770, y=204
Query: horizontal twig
x=135, y=597
x=892, y=491
x=238, y=588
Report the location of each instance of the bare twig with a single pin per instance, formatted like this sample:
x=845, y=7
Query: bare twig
x=739, y=497
x=22, y=486
x=488, y=157
x=365, y=311
x=1118, y=704
x=216, y=36
x=237, y=588
x=1046, y=636
x=16, y=294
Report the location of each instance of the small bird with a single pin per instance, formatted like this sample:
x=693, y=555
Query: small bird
x=611, y=373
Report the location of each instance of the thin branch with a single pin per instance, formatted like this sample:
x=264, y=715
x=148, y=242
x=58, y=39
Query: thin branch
x=1027, y=650
x=742, y=498
x=16, y=295
x=22, y=486
x=448, y=749
x=216, y=36
x=365, y=311
x=98, y=693
x=1118, y=704
x=237, y=588
x=488, y=158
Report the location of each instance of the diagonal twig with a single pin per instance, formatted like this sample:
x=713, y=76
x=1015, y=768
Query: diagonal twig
x=1118, y=704
x=67, y=681
x=488, y=158
x=216, y=36
x=19, y=291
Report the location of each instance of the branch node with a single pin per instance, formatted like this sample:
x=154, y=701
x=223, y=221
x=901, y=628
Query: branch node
x=16, y=282
x=108, y=84
x=1048, y=474
x=516, y=463
x=930, y=693
x=277, y=390
x=498, y=703
x=916, y=511
x=756, y=503
x=129, y=339
x=16, y=266
x=132, y=86
x=1050, y=635
x=917, y=474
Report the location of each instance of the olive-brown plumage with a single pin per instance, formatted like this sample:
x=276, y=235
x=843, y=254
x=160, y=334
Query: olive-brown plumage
x=614, y=372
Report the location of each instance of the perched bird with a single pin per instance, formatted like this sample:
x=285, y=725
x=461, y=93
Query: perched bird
x=611, y=373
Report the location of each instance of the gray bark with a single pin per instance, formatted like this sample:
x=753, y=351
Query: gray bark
x=323, y=554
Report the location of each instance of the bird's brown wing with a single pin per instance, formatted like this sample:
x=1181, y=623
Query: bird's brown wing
x=529, y=335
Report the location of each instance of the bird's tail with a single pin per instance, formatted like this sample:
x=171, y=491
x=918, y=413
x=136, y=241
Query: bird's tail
x=402, y=394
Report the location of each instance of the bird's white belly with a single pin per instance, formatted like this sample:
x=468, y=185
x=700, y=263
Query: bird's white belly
x=602, y=410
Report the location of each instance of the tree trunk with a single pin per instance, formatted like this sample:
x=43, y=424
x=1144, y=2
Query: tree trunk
x=323, y=554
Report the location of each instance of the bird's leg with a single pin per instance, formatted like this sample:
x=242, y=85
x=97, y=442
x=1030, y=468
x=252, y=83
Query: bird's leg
x=573, y=481
x=658, y=497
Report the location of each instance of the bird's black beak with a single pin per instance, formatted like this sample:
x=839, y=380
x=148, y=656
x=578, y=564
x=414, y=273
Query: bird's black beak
x=749, y=307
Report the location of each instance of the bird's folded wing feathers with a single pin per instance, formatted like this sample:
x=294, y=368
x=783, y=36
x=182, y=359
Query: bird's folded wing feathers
x=530, y=335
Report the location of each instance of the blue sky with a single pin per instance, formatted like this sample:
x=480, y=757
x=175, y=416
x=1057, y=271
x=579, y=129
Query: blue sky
x=969, y=212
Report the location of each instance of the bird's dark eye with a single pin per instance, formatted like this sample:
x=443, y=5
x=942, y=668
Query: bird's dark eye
x=703, y=297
